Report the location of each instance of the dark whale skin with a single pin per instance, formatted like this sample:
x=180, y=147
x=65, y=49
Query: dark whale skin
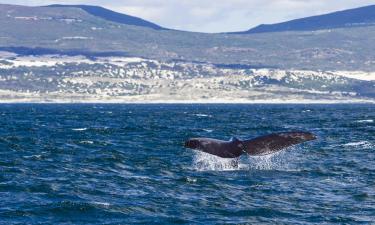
x=259, y=146
x=223, y=149
x=272, y=143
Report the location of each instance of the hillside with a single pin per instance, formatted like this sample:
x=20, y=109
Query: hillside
x=364, y=16
x=73, y=31
x=124, y=79
x=74, y=54
x=113, y=16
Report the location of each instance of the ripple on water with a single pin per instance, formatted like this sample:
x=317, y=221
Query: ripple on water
x=129, y=165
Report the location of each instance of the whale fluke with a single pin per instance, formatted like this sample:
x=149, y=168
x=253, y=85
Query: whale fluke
x=272, y=143
x=259, y=146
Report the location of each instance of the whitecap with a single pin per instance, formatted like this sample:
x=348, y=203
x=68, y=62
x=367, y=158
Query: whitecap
x=365, y=121
x=37, y=157
x=103, y=204
x=202, y=115
x=364, y=144
x=191, y=180
x=208, y=130
x=134, y=193
x=87, y=142
x=79, y=129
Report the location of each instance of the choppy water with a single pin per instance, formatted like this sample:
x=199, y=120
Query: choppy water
x=120, y=164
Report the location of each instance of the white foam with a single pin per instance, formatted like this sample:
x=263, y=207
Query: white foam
x=364, y=144
x=79, y=129
x=191, y=180
x=208, y=130
x=276, y=161
x=33, y=157
x=103, y=204
x=282, y=161
x=206, y=162
x=134, y=193
x=87, y=142
x=202, y=115
x=365, y=121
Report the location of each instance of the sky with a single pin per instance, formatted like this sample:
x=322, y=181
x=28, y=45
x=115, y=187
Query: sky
x=213, y=15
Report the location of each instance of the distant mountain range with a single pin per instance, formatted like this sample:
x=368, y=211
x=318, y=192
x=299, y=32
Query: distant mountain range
x=363, y=16
x=87, y=53
x=94, y=31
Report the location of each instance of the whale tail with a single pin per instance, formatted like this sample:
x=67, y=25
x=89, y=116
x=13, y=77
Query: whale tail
x=259, y=146
x=273, y=143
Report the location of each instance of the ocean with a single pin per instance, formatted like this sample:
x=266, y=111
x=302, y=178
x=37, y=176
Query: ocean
x=126, y=164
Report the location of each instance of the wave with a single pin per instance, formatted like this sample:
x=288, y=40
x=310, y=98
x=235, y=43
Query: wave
x=79, y=129
x=86, y=142
x=364, y=121
x=208, y=130
x=202, y=115
x=365, y=144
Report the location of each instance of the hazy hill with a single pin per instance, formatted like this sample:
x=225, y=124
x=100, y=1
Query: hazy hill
x=113, y=16
x=364, y=16
x=88, y=53
x=74, y=31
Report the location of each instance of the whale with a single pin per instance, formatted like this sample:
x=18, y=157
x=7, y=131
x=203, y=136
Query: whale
x=259, y=146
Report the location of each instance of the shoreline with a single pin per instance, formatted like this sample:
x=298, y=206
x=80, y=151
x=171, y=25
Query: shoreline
x=197, y=102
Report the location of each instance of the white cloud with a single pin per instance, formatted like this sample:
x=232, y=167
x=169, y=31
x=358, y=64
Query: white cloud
x=214, y=15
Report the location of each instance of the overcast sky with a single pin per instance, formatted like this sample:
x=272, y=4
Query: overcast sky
x=213, y=15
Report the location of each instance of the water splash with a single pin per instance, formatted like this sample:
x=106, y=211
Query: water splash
x=268, y=162
x=206, y=162
x=283, y=161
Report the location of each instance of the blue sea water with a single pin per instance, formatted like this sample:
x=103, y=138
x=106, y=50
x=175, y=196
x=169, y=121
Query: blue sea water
x=125, y=164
